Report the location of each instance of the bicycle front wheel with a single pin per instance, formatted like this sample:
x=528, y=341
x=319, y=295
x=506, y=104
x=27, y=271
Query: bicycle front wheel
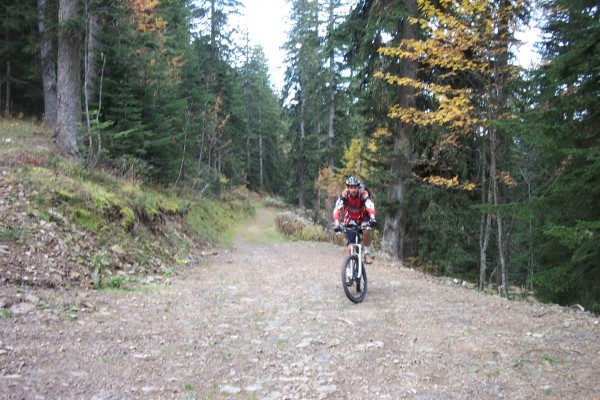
x=354, y=287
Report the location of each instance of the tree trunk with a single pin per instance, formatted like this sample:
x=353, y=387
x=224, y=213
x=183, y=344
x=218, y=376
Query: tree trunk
x=302, y=159
x=7, y=89
x=260, y=150
x=486, y=218
x=90, y=72
x=331, y=91
x=91, y=46
x=485, y=231
x=496, y=195
x=188, y=120
x=68, y=78
x=213, y=32
x=330, y=201
x=528, y=178
x=394, y=230
x=47, y=57
x=502, y=74
x=248, y=160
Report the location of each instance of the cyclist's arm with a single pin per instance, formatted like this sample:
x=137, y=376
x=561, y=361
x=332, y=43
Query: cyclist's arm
x=337, y=210
x=370, y=207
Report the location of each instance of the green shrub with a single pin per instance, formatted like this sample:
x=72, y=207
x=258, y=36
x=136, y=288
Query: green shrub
x=423, y=265
x=11, y=234
x=275, y=203
x=116, y=282
x=300, y=228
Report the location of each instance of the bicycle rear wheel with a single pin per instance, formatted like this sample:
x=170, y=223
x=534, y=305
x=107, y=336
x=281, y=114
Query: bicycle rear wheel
x=357, y=289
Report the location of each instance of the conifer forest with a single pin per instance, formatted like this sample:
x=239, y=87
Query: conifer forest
x=480, y=168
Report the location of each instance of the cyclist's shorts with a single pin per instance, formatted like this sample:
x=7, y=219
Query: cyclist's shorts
x=351, y=236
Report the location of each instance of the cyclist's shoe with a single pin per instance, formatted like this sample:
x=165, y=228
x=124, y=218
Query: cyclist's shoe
x=368, y=259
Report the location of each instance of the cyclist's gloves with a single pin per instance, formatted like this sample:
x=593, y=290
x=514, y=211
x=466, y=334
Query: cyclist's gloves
x=337, y=229
x=372, y=222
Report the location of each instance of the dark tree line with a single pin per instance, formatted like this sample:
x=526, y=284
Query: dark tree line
x=148, y=88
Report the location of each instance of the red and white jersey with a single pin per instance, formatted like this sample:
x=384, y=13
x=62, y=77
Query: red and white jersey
x=354, y=208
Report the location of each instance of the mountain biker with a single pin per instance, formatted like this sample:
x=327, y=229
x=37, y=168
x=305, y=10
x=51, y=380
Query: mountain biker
x=358, y=208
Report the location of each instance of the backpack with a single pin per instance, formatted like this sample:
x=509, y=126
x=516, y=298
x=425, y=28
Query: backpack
x=362, y=188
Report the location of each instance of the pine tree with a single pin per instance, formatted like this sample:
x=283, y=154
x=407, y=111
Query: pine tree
x=47, y=22
x=562, y=130
x=369, y=25
x=263, y=123
x=303, y=82
x=20, y=89
x=68, y=78
x=467, y=51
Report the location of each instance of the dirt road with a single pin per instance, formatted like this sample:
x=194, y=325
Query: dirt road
x=268, y=319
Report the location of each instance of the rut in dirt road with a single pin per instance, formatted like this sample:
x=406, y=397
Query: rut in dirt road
x=269, y=320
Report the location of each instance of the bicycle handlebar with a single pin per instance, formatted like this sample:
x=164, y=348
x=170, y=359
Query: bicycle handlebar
x=351, y=228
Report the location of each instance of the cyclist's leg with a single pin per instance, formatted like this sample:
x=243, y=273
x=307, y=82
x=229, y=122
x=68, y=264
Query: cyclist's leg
x=350, y=238
x=367, y=237
x=367, y=243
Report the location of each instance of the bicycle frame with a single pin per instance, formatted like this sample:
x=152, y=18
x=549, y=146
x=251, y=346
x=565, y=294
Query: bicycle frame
x=357, y=247
x=353, y=264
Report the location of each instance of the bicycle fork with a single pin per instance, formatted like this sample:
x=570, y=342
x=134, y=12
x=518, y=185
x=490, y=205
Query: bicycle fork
x=357, y=249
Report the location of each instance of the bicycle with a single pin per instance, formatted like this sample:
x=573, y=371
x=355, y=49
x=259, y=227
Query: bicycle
x=354, y=273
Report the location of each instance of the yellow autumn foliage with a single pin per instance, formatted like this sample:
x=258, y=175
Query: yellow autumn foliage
x=442, y=182
x=452, y=183
x=379, y=133
x=462, y=38
x=328, y=182
x=382, y=132
x=144, y=17
x=354, y=164
x=507, y=179
x=147, y=22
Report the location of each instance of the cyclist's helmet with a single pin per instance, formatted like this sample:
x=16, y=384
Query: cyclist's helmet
x=352, y=181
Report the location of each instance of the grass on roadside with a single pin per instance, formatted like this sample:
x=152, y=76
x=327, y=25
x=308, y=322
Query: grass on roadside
x=124, y=222
x=263, y=229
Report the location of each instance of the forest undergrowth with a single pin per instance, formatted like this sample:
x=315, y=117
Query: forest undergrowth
x=65, y=225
